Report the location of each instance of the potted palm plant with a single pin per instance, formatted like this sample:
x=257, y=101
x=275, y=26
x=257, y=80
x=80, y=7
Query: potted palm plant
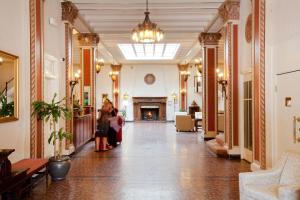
x=59, y=164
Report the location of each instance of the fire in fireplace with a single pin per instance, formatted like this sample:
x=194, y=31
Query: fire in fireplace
x=150, y=113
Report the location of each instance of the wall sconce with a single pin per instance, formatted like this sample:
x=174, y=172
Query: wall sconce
x=75, y=81
x=185, y=75
x=198, y=65
x=113, y=75
x=182, y=91
x=99, y=65
x=222, y=81
x=174, y=96
x=126, y=96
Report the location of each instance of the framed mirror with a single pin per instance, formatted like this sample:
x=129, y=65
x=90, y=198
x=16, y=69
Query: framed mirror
x=8, y=87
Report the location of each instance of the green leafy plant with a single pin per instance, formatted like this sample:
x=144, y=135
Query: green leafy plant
x=124, y=113
x=6, y=108
x=52, y=112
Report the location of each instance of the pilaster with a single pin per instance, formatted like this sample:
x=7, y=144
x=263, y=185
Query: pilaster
x=230, y=13
x=209, y=43
x=69, y=14
x=116, y=72
x=183, y=76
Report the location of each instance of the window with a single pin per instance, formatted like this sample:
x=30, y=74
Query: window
x=149, y=51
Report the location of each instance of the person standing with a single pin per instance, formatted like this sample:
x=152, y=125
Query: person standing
x=103, y=127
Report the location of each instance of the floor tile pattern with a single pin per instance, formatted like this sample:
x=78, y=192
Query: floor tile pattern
x=153, y=162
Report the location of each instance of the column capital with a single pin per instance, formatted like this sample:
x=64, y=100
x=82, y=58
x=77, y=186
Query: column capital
x=183, y=67
x=88, y=39
x=209, y=38
x=230, y=10
x=116, y=67
x=69, y=12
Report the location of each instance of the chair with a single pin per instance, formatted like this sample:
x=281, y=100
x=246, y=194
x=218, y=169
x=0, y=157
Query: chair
x=280, y=183
x=185, y=123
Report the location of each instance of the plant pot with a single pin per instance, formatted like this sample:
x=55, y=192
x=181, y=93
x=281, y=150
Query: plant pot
x=59, y=168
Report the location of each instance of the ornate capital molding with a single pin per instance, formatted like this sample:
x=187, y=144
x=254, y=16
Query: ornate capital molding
x=69, y=12
x=183, y=67
x=209, y=38
x=116, y=68
x=230, y=10
x=88, y=39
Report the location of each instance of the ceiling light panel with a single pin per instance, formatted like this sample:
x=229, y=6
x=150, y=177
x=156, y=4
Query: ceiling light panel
x=149, y=51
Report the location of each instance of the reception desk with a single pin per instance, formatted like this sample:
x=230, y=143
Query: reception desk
x=83, y=130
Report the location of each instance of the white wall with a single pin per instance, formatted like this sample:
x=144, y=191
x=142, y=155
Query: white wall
x=14, y=39
x=282, y=55
x=103, y=85
x=244, y=62
x=191, y=94
x=132, y=83
x=54, y=45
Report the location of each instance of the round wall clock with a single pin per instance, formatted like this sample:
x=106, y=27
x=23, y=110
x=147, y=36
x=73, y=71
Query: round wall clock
x=248, y=28
x=149, y=79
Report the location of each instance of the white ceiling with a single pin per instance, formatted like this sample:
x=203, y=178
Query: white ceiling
x=181, y=20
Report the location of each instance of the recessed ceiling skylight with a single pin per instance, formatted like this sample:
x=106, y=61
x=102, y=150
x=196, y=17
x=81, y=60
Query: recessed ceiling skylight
x=149, y=51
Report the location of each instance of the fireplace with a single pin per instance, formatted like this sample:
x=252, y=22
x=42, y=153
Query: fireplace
x=149, y=113
x=149, y=108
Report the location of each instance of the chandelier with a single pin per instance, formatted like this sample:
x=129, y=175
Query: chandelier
x=147, y=32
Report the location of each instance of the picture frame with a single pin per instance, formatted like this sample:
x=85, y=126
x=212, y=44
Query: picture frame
x=197, y=84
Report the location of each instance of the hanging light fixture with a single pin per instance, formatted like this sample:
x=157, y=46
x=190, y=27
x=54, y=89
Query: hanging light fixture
x=147, y=32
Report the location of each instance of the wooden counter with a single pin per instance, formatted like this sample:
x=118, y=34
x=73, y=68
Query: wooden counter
x=83, y=130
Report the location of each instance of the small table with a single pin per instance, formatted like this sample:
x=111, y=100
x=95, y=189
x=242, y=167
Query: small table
x=198, y=124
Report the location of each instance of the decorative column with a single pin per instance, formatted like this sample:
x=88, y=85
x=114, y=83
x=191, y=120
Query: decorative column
x=88, y=43
x=183, y=76
x=115, y=77
x=36, y=75
x=209, y=43
x=69, y=14
x=259, y=129
x=230, y=13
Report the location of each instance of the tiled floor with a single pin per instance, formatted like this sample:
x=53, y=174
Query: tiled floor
x=153, y=162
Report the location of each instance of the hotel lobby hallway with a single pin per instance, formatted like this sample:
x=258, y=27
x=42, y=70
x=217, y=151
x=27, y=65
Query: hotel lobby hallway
x=153, y=162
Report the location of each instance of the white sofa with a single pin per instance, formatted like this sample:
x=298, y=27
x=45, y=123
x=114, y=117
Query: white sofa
x=280, y=183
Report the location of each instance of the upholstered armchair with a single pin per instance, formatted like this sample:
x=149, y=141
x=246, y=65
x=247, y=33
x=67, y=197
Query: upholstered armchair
x=280, y=183
x=185, y=123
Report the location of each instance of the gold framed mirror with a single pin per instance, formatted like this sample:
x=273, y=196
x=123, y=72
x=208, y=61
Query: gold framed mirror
x=9, y=105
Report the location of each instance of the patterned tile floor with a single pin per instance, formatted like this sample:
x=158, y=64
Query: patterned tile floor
x=153, y=162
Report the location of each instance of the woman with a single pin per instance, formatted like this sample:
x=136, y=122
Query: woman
x=103, y=127
x=112, y=134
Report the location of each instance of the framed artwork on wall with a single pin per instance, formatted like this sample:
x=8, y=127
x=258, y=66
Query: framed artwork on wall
x=197, y=84
x=87, y=96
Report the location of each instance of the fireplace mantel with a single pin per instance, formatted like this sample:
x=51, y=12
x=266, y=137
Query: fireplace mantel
x=138, y=102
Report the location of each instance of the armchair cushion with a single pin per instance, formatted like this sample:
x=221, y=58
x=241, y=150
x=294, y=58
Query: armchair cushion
x=185, y=123
x=291, y=192
x=291, y=172
x=282, y=182
x=262, y=192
